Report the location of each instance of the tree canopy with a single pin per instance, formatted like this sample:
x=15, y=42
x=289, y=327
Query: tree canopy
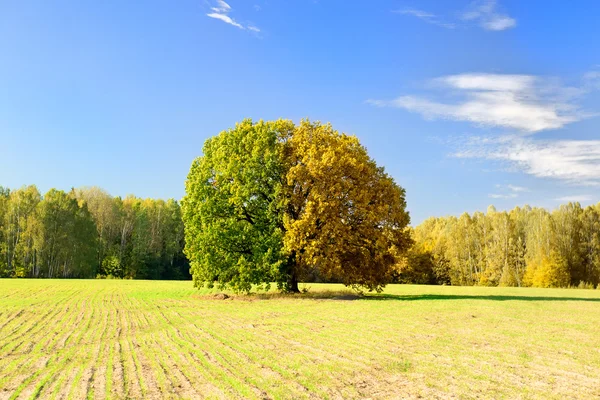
x=274, y=202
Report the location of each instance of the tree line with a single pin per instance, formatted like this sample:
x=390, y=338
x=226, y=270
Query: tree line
x=522, y=247
x=86, y=233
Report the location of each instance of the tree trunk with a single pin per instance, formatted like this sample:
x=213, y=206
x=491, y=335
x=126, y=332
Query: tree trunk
x=293, y=283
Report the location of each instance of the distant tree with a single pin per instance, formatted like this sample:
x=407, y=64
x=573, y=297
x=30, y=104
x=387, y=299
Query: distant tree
x=590, y=244
x=417, y=266
x=64, y=237
x=105, y=214
x=567, y=239
x=548, y=271
x=500, y=249
x=4, y=256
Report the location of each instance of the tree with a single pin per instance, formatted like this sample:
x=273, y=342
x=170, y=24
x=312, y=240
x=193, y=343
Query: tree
x=590, y=244
x=274, y=202
x=548, y=271
x=417, y=266
x=567, y=239
x=105, y=213
x=64, y=237
x=4, y=257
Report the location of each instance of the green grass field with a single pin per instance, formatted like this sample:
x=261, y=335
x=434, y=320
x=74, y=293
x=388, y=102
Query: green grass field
x=156, y=339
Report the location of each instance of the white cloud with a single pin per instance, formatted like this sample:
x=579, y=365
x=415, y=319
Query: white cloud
x=576, y=162
x=225, y=18
x=221, y=12
x=575, y=199
x=221, y=7
x=485, y=14
x=491, y=82
x=499, y=23
x=511, y=192
x=502, y=196
x=522, y=102
x=426, y=16
x=517, y=188
x=482, y=12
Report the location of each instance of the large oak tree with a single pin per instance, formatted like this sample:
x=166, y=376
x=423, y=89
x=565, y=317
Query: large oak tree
x=274, y=202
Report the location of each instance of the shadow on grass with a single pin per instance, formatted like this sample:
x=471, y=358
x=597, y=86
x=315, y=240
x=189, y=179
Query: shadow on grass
x=253, y=296
x=317, y=295
x=408, y=297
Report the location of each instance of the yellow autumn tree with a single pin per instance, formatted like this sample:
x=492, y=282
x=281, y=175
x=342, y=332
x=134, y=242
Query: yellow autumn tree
x=345, y=216
x=547, y=271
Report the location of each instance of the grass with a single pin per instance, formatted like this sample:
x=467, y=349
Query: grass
x=72, y=339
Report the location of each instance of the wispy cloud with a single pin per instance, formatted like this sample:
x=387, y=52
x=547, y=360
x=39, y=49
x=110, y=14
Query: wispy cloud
x=517, y=189
x=509, y=192
x=221, y=11
x=221, y=7
x=575, y=162
x=485, y=14
x=502, y=196
x=426, y=16
x=591, y=79
x=523, y=102
x=584, y=198
x=225, y=18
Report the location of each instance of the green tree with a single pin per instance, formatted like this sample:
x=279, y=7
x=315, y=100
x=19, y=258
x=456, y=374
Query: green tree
x=233, y=208
x=4, y=253
x=64, y=237
x=105, y=214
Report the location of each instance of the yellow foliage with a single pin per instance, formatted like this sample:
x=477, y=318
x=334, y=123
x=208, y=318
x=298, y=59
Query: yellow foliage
x=346, y=216
x=547, y=271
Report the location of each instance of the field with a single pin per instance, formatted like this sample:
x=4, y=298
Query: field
x=156, y=339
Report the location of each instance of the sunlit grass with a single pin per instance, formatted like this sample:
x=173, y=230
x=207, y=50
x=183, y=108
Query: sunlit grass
x=156, y=339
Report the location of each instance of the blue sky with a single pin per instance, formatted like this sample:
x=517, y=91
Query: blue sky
x=465, y=103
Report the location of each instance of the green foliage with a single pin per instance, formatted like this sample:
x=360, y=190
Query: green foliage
x=233, y=207
x=273, y=202
x=87, y=232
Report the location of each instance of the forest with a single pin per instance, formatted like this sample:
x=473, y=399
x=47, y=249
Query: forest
x=523, y=247
x=86, y=233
